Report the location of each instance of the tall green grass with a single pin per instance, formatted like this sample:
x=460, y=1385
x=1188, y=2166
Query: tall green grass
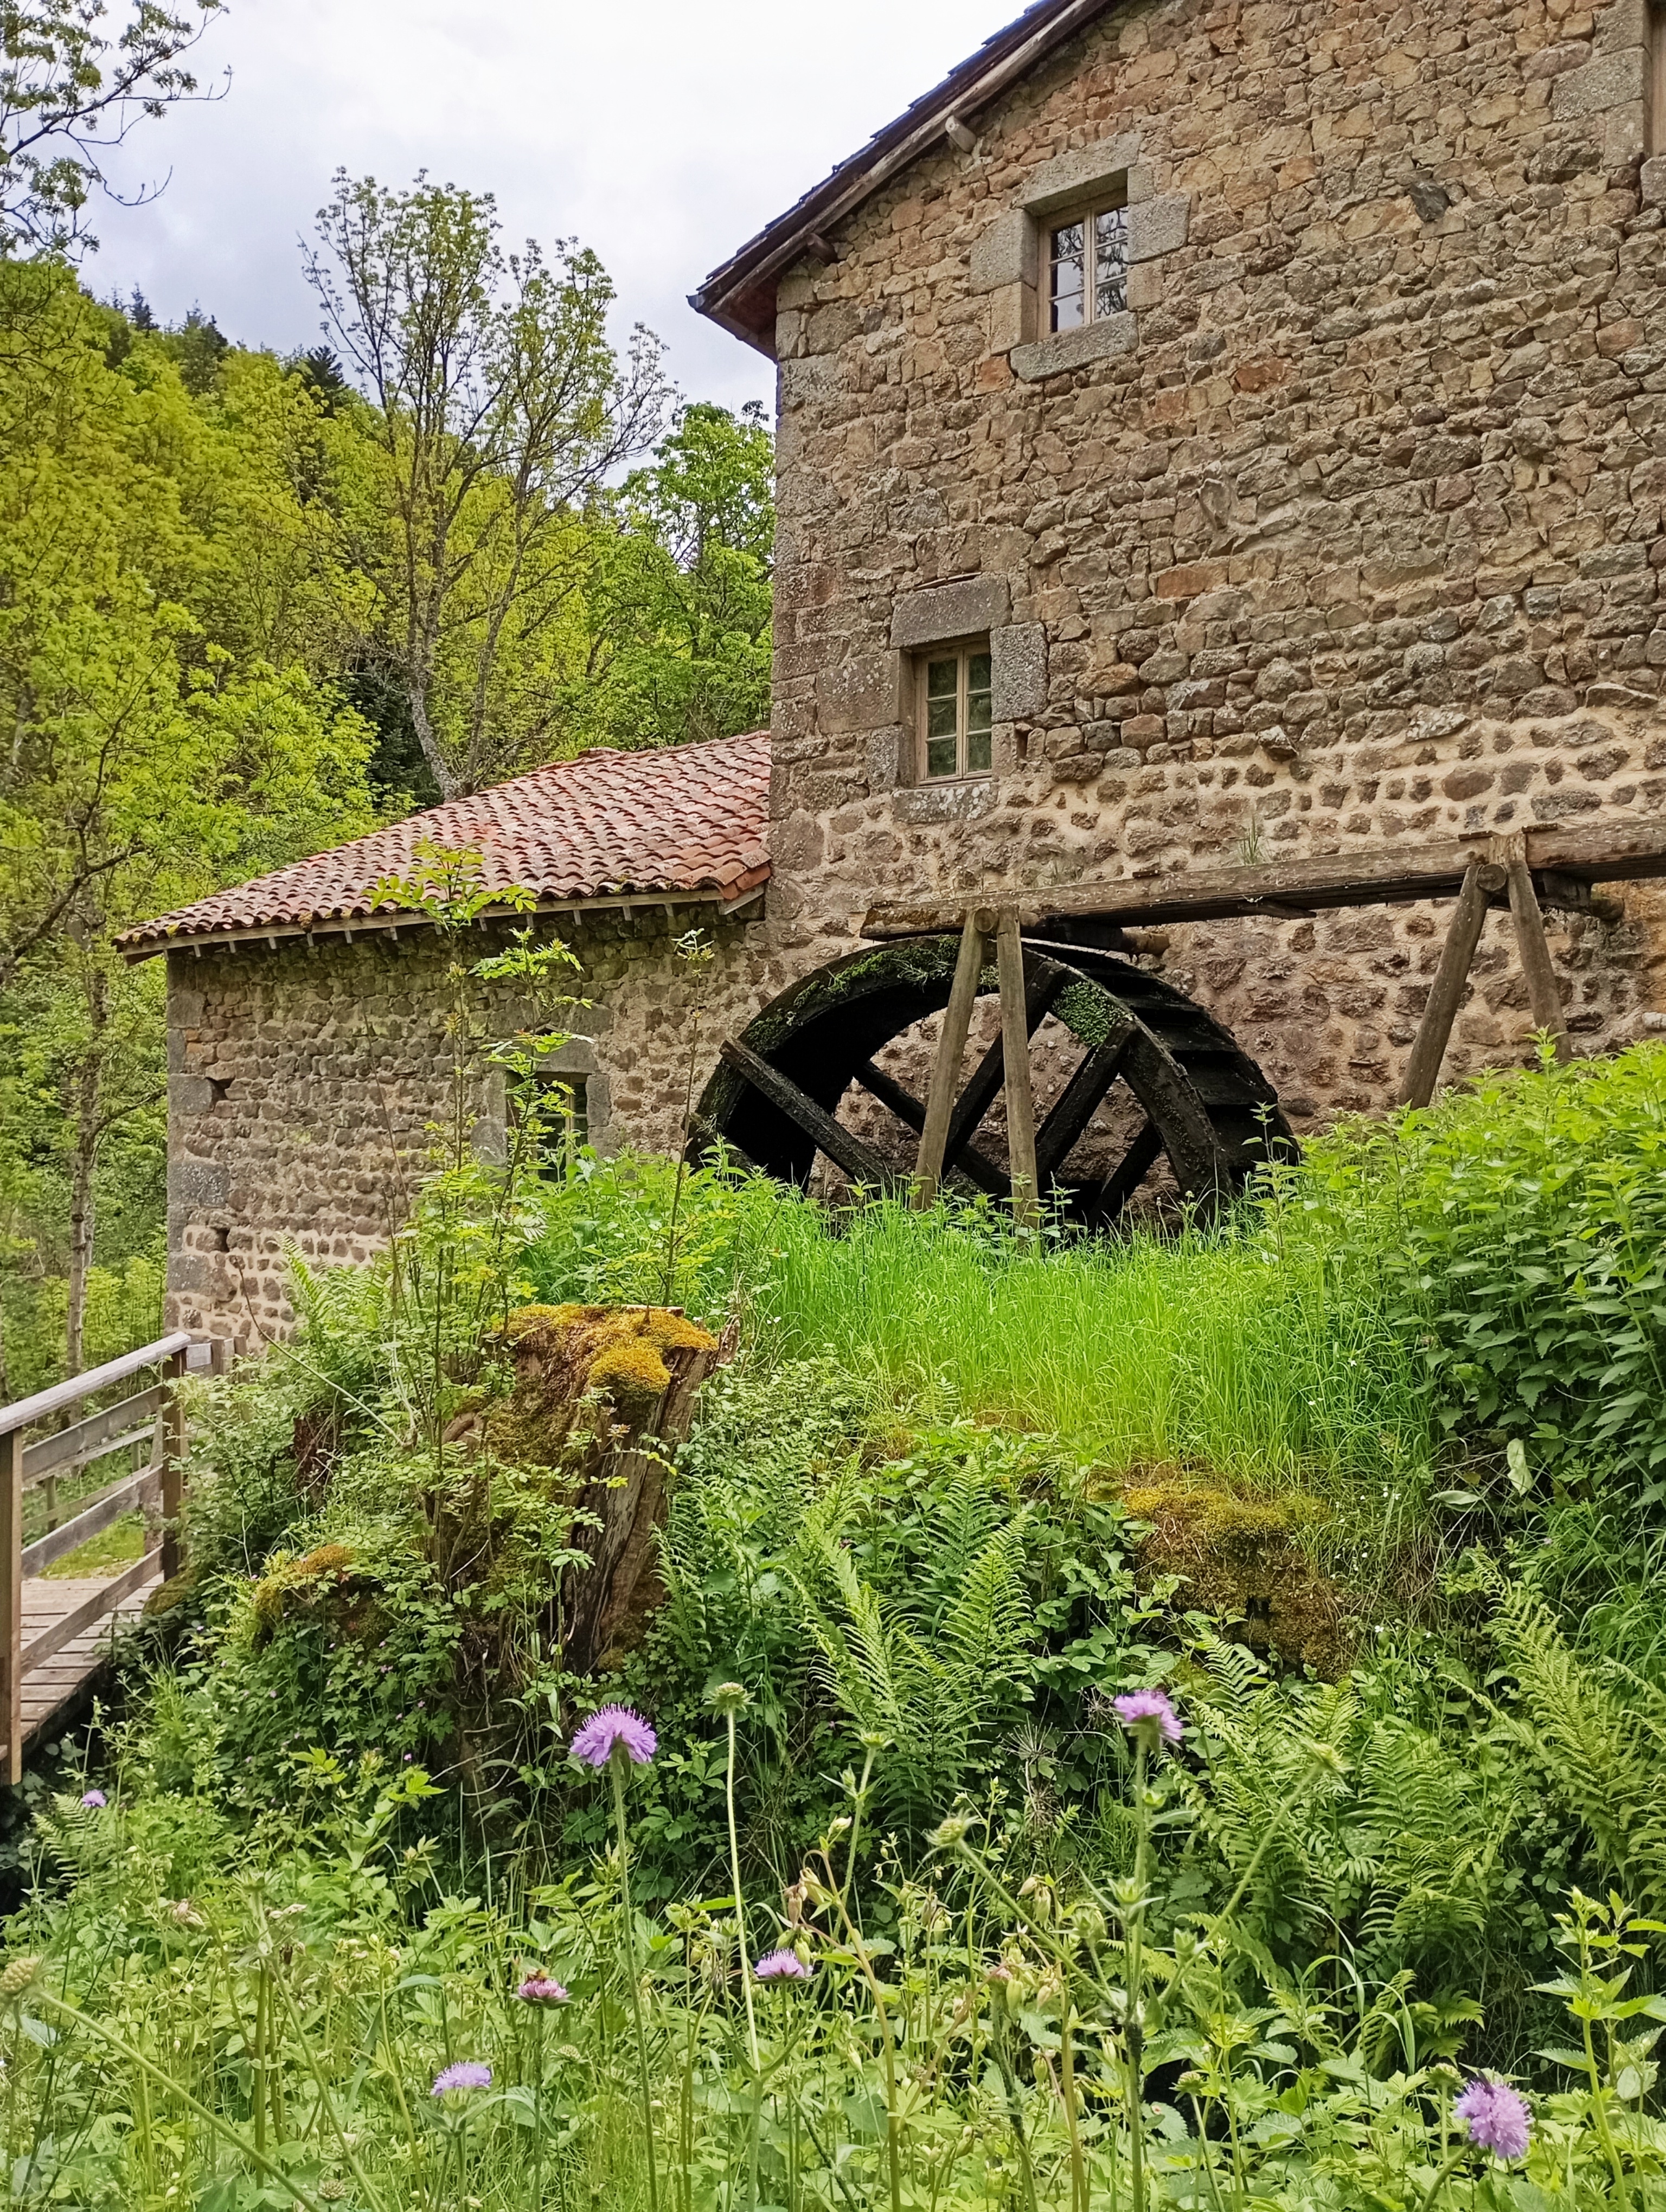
x=1229, y=1350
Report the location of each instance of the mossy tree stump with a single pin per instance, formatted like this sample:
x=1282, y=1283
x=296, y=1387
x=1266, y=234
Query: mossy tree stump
x=625, y=1382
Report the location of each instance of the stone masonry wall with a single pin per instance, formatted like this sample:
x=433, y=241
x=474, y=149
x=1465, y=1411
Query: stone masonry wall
x=305, y=1077
x=1349, y=530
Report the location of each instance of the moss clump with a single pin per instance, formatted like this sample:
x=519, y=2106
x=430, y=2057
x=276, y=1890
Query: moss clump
x=565, y=1353
x=288, y=1584
x=1247, y=1559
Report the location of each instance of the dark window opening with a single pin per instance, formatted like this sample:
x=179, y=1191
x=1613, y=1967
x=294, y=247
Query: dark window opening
x=564, y=1110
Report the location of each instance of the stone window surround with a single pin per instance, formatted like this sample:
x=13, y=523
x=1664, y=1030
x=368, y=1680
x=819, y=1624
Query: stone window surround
x=1007, y=259
x=943, y=614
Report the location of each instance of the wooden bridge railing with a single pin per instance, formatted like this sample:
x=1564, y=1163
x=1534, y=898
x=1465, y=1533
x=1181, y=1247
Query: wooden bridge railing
x=44, y=1461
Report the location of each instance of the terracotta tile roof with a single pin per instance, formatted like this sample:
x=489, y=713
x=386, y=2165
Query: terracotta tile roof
x=687, y=818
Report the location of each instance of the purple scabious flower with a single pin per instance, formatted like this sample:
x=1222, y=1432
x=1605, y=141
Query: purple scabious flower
x=1497, y=2118
x=95, y=1801
x=1148, y=1705
x=611, y=1725
x=539, y=1989
x=782, y=1967
x=467, y=2074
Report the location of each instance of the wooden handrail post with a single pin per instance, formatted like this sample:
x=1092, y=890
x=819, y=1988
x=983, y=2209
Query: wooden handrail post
x=11, y=1600
x=951, y=1051
x=174, y=1465
x=1015, y=1043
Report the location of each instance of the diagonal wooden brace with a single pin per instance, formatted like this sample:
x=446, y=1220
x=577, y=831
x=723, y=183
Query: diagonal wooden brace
x=951, y=1050
x=1542, y=995
x=1482, y=881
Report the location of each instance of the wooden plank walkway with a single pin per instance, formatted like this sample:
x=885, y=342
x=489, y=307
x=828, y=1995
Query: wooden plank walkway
x=54, y=1691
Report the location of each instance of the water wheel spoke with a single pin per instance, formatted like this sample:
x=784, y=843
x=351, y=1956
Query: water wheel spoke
x=1160, y=1083
x=846, y=1149
x=972, y=1163
x=1103, y=1206
x=1041, y=987
x=1079, y=1102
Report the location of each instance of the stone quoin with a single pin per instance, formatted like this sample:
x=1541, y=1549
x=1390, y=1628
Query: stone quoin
x=1218, y=433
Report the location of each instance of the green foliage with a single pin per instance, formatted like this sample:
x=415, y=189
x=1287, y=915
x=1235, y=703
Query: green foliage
x=680, y=601
x=1515, y=1234
x=69, y=92
x=1239, y=1353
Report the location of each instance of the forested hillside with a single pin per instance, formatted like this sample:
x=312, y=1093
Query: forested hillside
x=251, y=606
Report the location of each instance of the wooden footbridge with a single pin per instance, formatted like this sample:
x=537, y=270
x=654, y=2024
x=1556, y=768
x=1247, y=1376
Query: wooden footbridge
x=56, y=1633
x=1199, y=1101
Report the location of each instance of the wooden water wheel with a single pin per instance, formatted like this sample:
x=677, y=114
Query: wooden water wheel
x=1198, y=1100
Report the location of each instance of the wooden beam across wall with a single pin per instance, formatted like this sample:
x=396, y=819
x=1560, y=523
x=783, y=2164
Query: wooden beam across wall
x=1564, y=859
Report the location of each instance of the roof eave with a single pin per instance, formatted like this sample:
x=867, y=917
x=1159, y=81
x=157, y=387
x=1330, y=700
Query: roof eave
x=728, y=898
x=763, y=259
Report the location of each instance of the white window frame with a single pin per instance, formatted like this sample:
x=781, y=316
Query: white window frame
x=963, y=651
x=1087, y=221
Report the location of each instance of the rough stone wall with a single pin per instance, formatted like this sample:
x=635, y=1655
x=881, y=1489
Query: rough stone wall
x=305, y=1080
x=1350, y=530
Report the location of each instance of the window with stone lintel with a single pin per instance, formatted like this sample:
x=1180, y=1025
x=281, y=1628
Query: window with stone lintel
x=954, y=685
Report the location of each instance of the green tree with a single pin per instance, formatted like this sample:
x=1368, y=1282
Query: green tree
x=69, y=91
x=680, y=601
x=499, y=410
x=166, y=732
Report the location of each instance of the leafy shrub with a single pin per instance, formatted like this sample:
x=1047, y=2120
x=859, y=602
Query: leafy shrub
x=1514, y=1234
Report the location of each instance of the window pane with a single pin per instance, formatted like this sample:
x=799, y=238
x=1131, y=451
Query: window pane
x=1110, y=263
x=941, y=757
x=978, y=716
x=978, y=752
x=977, y=672
x=942, y=718
x=942, y=679
x=1069, y=277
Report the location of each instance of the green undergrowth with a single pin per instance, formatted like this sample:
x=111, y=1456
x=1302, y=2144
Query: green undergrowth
x=1364, y=1476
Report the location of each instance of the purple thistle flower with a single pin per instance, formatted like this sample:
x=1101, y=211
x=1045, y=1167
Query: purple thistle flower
x=467, y=2074
x=539, y=1989
x=1497, y=2118
x=1148, y=1705
x=782, y=1967
x=95, y=1801
x=611, y=1725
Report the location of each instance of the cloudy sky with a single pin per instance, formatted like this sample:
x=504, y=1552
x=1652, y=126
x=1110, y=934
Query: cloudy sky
x=660, y=132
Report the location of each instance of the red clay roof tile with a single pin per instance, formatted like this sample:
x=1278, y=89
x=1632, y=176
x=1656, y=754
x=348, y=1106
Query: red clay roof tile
x=679, y=818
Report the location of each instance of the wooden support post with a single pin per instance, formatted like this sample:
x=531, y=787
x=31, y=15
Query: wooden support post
x=173, y=1466
x=1015, y=1043
x=1480, y=882
x=11, y=1601
x=1542, y=995
x=951, y=1050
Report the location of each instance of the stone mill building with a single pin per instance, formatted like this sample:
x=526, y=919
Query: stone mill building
x=1212, y=434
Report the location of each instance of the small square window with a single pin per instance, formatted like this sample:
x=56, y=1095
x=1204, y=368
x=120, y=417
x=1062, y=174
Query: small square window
x=957, y=716
x=1088, y=269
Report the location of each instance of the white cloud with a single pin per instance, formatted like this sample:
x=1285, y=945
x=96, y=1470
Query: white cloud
x=660, y=134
